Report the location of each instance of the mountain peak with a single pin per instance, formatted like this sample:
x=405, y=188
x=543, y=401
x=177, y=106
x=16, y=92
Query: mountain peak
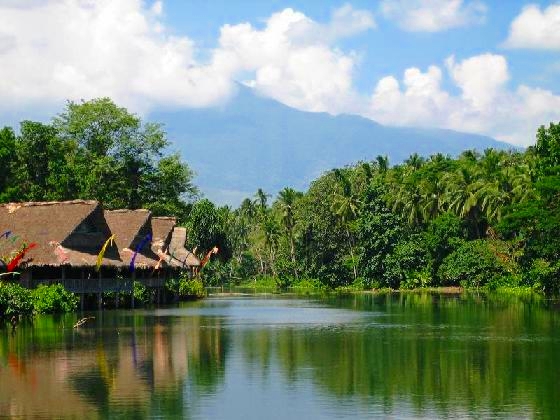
x=254, y=142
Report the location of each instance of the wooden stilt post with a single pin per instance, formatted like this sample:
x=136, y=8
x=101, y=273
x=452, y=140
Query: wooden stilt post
x=99, y=291
x=132, y=292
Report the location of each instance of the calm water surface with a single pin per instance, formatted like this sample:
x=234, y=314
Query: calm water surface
x=400, y=356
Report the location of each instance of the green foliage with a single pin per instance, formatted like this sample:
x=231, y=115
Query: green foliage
x=191, y=287
x=473, y=264
x=206, y=225
x=308, y=286
x=548, y=150
x=141, y=293
x=409, y=265
x=216, y=273
x=378, y=232
x=186, y=287
x=94, y=150
x=15, y=300
x=53, y=299
x=546, y=276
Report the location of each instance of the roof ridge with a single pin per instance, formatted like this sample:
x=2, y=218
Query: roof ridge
x=127, y=211
x=47, y=203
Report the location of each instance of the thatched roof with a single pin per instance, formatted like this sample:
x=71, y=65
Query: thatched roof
x=76, y=228
x=182, y=257
x=130, y=228
x=162, y=227
x=73, y=233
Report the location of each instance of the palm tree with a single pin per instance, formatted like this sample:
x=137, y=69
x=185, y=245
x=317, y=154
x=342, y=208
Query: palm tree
x=271, y=234
x=462, y=194
x=382, y=164
x=286, y=199
x=415, y=161
x=345, y=205
x=260, y=200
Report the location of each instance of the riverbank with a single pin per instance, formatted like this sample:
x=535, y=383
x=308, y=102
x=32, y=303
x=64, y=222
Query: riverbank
x=17, y=301
x=268, y=285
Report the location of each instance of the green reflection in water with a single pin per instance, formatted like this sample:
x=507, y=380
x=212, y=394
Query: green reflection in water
x=415, y=355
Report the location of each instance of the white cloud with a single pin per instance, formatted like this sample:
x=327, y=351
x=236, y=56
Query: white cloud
x=67, y=49
x=433, y=15
x=293, y=59
x=481, y=78
x=484, y=106
x=536, y=29
x=73, y=49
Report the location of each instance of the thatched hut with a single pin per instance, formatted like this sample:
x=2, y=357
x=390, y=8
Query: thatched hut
x=182, y=257
x=68, y=235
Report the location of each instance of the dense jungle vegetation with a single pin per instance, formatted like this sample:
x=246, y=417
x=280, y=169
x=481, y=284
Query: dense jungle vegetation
x=488, y=219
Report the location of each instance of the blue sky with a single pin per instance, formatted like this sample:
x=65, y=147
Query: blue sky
x=489, y=67
x=387, y=49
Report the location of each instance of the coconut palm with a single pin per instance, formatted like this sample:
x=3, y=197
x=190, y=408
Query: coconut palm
x=345, y=206
x=286, y=200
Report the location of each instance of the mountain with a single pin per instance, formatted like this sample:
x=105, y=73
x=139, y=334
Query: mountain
x=255, y=142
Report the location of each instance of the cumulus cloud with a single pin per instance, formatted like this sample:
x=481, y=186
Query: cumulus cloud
x=53, y=50
x=536, y=29
x=433, y=15
x=293, y=59
x=73, y=49
x=485, y=104
x=82, y=49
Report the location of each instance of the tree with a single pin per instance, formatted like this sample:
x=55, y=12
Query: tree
x=261, y=201
x=169, y=188
x=7, y=160
x=42, y=171
x=287, y=201
x=206, y=229
x=118, y=153
x=378, y=231
x=345, y=206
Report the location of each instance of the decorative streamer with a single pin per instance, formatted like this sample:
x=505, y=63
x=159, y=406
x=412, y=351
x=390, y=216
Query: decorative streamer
x=207, y=257
x=147, y=239
x=6, y=234
x=162, y=256
x=15, y=261
x=14, y=238
x=59, y=252
x=102, y=252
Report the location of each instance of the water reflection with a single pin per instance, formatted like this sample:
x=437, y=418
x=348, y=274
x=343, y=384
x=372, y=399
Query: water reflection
x=401, y=355
x=133, y=364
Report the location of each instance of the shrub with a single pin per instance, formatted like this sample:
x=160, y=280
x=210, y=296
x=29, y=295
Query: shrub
x=186, y=287
x=191, y=287
x=473, y=264
x=545, y=276
x=53, y=299
x=409, y=265
x=308, y=285
x=140, y=292
x=15, y=300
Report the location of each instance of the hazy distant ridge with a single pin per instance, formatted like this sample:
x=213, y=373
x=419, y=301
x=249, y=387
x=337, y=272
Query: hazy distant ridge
x=254, y=142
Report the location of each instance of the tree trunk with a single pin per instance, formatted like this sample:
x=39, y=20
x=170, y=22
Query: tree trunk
x=352, y=254
x=272, y=268
x=293, y=253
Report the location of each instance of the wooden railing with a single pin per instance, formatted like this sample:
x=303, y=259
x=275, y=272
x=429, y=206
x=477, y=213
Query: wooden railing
x=100, y=285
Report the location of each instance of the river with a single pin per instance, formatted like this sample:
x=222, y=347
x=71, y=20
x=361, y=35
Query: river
x=401, y=356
